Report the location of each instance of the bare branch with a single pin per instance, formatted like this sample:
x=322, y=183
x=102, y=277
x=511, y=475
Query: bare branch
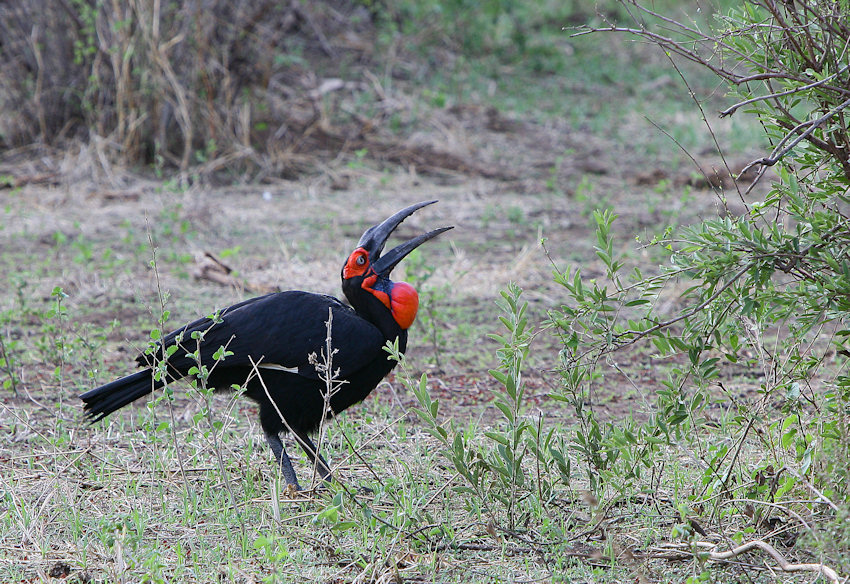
x=730, y=110
x=779, y=152
x=783, y=563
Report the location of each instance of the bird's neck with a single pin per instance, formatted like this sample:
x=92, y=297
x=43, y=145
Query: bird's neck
x=377, y=314
x=375, y=305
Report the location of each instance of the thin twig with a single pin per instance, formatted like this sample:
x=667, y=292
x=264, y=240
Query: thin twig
x=4, y=354
x=332, y=386
x=732, y=109
x=821, y=497
x=225, y=477
x=781, y=561
x=741, y=441
x=640, y=334
x=813, y=125
x=164, y=371
x=368, y=466
x=255, y=372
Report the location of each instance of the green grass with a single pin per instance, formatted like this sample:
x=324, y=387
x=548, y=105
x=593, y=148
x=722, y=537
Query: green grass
x=525, y=59
x=112, y=502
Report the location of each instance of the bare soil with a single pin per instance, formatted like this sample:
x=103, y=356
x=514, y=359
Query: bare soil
x=505, y=183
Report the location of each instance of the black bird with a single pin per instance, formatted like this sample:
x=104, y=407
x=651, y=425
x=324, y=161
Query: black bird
x=268, y=342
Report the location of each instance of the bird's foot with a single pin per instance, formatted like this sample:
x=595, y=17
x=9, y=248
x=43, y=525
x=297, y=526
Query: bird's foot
x=291, y=491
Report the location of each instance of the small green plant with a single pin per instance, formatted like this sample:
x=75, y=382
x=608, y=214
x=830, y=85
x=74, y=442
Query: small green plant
x=588, y=329
x=497, y=473
x=512, y=439
x=274, y=553
x=10, y=349
x=552, y=181
x=53, y=342
x=587, y=194
x=437, y=99
x=358, y=162
x=516, y=215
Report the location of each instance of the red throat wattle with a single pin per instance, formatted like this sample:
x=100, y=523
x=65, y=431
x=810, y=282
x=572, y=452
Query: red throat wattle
x=402, y=300
x=404, y=303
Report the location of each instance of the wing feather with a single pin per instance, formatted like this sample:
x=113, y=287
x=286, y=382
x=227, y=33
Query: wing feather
x=281, y=329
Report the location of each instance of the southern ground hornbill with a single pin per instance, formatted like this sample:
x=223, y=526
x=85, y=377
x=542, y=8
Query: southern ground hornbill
x=268, y=342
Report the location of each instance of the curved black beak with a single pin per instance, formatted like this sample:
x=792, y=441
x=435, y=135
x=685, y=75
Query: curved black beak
x=375, y=237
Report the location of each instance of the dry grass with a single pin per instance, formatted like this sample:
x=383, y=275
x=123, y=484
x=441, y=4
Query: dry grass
x=218, y=86
x=111, y=504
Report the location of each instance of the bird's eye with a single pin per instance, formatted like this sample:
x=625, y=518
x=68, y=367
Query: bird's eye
x=361, y=260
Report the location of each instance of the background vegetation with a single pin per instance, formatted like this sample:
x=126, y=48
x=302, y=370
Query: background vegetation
x=667, y=396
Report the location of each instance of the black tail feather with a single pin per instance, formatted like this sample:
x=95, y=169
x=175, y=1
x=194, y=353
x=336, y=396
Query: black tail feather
x=103, y=400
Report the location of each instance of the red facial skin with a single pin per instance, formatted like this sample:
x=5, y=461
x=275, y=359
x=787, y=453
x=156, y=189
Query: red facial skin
x=402, y=299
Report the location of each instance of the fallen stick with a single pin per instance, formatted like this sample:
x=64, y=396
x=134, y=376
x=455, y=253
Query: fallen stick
x=786, y=566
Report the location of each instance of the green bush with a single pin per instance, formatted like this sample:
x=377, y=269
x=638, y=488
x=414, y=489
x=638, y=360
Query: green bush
x=766, y=292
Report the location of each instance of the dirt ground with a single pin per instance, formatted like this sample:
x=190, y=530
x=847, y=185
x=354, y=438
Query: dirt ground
x=77, y=223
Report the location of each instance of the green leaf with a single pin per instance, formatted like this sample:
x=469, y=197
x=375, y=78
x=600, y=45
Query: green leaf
x=500, y=376
x=506, y=410
x=498, y=437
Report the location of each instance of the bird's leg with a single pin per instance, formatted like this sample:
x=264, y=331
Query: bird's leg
x=283, y=459
x=313, y=454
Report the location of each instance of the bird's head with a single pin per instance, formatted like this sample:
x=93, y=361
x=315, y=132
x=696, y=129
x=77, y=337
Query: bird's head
x=366, y=272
